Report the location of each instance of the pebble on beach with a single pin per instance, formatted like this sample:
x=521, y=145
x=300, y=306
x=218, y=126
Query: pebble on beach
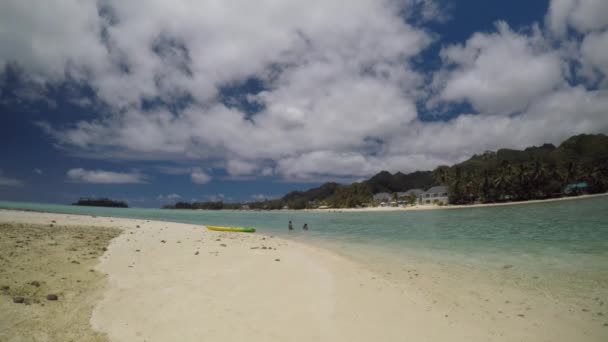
x=52, y=297
x=18, y=300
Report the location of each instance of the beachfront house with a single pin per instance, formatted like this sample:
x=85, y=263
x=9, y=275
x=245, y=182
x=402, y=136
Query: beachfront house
x=435, y=195
x=383, y=198
x=405, y=196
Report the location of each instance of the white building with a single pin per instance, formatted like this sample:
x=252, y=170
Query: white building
x=435, y=195
x=383, y=198
x=405, y=195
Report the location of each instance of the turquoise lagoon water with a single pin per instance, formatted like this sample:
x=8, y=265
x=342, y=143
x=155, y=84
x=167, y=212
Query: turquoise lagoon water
x=568, y=236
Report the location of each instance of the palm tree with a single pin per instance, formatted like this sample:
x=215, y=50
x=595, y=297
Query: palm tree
x=486, y=187
x=455, y=184
x=503, y=180
x=523, y=182
x=539, y=179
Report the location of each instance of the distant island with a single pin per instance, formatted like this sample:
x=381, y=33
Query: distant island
x=577, y=166
x=101, y=202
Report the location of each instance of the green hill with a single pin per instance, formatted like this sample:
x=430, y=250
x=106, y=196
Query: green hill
x=505, y=175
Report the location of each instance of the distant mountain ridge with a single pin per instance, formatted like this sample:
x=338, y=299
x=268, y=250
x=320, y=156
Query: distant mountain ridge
x=507, y=174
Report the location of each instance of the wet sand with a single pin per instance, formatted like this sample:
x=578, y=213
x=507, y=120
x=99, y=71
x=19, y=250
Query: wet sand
x=171, y=281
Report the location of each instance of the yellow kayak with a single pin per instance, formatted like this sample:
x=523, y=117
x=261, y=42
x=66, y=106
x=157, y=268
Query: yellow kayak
x=232, y=229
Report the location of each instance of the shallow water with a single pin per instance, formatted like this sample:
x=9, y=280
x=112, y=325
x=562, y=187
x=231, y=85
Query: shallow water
x=539, y=267
x=570, y=237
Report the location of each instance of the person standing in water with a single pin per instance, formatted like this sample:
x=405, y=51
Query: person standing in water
x=305, y=226
x=290, y=226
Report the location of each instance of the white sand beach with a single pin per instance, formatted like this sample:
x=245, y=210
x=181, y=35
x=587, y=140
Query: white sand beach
x=181, y=282
x=455, y=206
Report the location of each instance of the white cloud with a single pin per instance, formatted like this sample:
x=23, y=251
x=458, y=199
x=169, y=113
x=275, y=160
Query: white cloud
x=38, y=171
x=581, y=15
x=594, y=55
x=8, y=181
x=236, y=167
x=262, y=197
x=80, y=175
x=340, y=98
x=169, y=197
x=198, y=176
x=216, y=198
x=499, y=73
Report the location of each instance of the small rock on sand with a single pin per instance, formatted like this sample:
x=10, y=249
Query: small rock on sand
x=35, y=283
x=506, y=267
x=52, y=297
x=18, y=300
x=223, y=244
x=277, y=259
x=196, y=253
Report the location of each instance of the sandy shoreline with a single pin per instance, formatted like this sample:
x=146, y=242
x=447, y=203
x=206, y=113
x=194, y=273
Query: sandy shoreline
x=171, y=281
x=455, y=206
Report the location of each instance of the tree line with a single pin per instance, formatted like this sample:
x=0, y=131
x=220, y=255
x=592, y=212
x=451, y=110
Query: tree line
x=578, y=165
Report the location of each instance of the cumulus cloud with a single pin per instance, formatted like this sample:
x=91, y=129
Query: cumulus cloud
x=499, y=73
x=216, y=198
x=338, y=98
x=38, y=171
x=262, y=197
x=237, y=167
x=581, y=15
x=198, y=176
x=169, y=197
x=594, y=55
x=8, y=181
x=80, y=175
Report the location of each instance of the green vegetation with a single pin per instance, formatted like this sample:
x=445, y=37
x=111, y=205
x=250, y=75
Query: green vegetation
x=534, y=173
x=578, y=165
x=101, y=202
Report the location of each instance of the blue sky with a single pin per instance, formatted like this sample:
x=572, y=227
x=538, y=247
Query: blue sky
x=237, y=102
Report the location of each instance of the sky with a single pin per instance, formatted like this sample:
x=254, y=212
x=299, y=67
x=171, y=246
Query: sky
x=158, y=101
